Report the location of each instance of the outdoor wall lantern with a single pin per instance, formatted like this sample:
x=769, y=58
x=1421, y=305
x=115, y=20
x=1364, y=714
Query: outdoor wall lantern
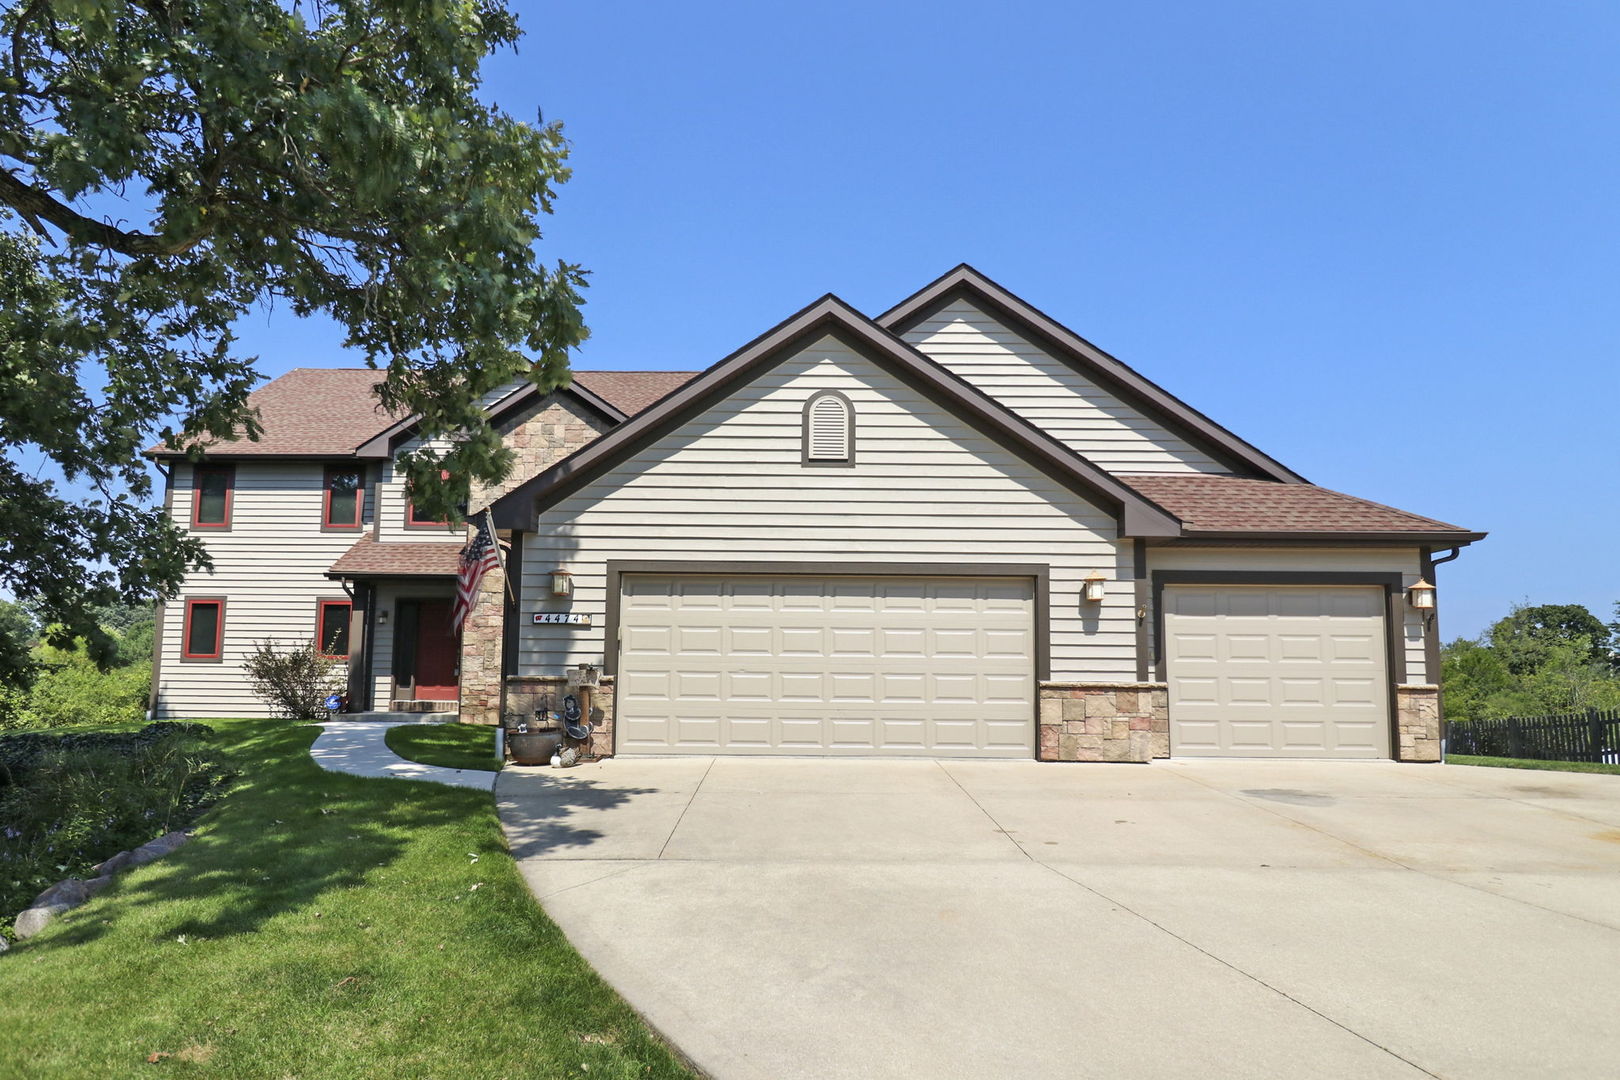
x=562, y=583
x=1094, y=583
x=1422, y=595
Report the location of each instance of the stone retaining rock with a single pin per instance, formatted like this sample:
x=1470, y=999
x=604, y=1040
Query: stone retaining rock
x=69, y=893
x=36, y=919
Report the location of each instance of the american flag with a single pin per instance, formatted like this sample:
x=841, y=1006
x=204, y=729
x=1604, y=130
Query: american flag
x=478, y=558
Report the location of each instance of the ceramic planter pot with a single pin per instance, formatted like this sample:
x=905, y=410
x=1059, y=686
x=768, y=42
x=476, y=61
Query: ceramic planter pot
x=534, y=747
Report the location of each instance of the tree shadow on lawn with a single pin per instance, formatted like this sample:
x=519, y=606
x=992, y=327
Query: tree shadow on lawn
x=292, y=832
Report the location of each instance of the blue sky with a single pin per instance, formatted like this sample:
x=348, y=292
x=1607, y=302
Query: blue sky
x=1379, y=240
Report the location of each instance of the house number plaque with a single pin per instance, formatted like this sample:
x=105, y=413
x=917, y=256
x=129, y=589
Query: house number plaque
x=566, y=617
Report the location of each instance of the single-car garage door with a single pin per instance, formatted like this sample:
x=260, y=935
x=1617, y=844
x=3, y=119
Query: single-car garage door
x=1277, y=671
x=935, y=666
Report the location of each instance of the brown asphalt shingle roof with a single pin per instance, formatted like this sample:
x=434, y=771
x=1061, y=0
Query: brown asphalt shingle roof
x=632, y=391
x=1216, y=504
x=332, y=412
x=373, y=558
x=321, y=412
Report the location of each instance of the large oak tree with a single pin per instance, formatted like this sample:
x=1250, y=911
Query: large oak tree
x=166, y=165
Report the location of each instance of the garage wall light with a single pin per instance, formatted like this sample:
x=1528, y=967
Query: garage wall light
x=1422, y=595
x=1094, y=583
x=562, y=583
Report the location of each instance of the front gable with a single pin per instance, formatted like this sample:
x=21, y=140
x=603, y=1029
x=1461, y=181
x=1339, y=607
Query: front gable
x=832, y=318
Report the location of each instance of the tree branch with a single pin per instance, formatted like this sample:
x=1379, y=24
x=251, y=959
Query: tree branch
x=31, y=201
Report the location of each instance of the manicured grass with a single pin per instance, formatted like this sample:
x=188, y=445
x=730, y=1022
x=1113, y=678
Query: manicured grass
x=455, y=746
x=319, y=925
x=1533, y=763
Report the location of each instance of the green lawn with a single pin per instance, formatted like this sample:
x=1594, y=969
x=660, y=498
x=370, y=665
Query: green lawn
x=319, y=926
x=455, y=746
x=1533, y=763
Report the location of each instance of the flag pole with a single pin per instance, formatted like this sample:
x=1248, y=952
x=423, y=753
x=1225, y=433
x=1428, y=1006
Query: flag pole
x=489, y=523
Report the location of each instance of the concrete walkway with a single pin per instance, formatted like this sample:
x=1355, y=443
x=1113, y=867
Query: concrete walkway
x=812, y=918
x=357, y=747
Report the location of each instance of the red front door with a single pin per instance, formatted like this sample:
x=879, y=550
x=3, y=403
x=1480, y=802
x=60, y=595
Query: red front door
x=437, y=653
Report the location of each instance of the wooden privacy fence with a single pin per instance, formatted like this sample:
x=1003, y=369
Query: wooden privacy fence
x=1593, y=735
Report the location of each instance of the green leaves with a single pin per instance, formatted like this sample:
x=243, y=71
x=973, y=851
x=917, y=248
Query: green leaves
x=334, y=157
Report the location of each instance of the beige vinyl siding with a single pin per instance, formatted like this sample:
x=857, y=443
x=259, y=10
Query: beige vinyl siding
x=1048, y=393
x=1405, y=561
x=269, y=566
x=729, y=486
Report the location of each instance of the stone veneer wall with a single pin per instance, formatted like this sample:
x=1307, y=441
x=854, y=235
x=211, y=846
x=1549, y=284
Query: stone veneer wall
x=1104, y=722
x=541, y=435
x=529, y=694
x=1417, y=722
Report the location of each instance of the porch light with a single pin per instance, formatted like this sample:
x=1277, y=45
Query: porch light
x=562, y=583
x=1094, y=583
x=1422, y=595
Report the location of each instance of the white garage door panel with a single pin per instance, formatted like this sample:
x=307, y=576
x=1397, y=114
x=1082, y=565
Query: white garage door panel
x=1277, y=671
x=826, y=665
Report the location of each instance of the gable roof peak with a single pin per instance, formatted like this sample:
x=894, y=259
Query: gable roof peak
x=1043, y=331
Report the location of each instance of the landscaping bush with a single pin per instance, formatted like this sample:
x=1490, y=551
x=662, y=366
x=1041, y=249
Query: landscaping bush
x=69, y=801
x=294, y=681
x=70, y=689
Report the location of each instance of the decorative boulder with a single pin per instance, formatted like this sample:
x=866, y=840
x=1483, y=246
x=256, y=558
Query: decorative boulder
x=95, y=885
x=69, y=893
x=113, y=865
x=4, y=944
x=36, y=919
x=153, y=850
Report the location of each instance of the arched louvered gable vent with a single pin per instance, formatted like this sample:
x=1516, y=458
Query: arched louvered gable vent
x=829, y=430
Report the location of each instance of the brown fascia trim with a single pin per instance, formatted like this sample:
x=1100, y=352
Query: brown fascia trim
x=1138, y=515
x=1206, y=538
x=384, y=575
x=209, y=457
x=964, y=282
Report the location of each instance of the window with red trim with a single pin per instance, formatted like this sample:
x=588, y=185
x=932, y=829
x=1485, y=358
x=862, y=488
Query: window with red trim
x=345, y=498
x=211, y=489
x=204, y=628
x=414, y=518
x=332, y=628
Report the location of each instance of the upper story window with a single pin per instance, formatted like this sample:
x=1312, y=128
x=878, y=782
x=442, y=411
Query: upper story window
x=204, y=629
x=211, y=489
x=332, y=628
x=345, y=498
x=414, y=519
x=829, y=430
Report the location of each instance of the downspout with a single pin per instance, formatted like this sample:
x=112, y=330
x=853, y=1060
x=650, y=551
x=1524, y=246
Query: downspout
x=1433, y=630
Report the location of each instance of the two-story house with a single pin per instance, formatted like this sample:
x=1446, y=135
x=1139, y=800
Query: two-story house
x=958, y=529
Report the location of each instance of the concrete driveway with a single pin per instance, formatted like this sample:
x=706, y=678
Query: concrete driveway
x=816, y=918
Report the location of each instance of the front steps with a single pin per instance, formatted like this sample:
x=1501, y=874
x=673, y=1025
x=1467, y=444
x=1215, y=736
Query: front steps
x=401, y=717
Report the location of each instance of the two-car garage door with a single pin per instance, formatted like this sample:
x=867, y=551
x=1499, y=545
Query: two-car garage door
x=1277, y=671
x=800, y=664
